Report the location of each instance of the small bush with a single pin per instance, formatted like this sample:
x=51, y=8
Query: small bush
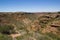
x=5, y=37
x=6, y=29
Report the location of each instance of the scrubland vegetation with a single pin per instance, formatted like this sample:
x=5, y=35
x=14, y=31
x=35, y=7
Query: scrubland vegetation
x=29, y=26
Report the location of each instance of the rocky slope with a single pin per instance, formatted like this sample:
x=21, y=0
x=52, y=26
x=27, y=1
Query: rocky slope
x=31, y=26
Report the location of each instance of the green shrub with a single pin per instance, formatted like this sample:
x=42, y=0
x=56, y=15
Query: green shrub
x=5, y=37
x=7, y=29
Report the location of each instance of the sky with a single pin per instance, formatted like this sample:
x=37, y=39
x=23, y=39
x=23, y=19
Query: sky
x=29, y=5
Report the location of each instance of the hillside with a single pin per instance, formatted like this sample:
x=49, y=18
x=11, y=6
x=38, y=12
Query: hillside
x=29, y=26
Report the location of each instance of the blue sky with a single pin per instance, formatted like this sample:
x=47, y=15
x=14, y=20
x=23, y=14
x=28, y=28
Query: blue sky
x=29, y=5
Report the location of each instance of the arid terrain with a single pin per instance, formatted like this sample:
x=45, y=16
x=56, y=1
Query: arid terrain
x=29, y=26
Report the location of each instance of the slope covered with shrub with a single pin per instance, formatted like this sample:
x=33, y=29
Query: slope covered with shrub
x=30, y=26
